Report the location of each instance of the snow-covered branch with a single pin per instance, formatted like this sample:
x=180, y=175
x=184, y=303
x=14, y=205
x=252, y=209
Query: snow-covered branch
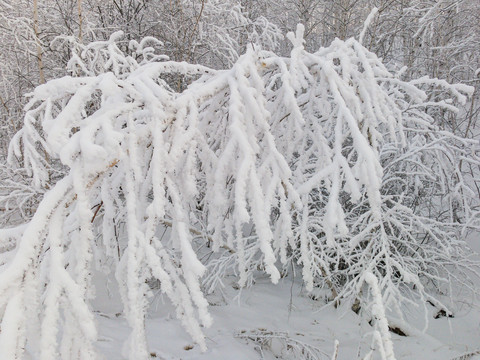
x=323, y=159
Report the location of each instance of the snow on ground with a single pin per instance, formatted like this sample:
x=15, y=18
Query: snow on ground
x=274, y=311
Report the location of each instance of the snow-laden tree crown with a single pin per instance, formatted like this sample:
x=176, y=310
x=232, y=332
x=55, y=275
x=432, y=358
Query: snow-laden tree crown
x=325, y=161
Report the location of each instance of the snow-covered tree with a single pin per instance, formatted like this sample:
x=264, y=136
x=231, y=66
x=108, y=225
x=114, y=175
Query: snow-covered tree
x=322, y=160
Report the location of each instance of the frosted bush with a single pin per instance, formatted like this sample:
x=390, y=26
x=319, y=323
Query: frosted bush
x=325, y=160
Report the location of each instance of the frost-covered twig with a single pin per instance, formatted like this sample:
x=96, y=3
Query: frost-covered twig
x=467, y=356
x=377, y=308
x=289, y=346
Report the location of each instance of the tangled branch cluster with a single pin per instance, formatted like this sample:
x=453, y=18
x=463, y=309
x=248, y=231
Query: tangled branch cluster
x=325, y=160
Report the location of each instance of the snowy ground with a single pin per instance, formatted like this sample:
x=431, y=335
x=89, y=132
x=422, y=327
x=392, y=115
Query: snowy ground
x=275, y=311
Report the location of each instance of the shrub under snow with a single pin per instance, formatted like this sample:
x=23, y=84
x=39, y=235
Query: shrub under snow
x=325, y=160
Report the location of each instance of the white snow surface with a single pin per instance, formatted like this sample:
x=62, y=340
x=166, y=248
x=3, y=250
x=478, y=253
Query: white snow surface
x=284, y=308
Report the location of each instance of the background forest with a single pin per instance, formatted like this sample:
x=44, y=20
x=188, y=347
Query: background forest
x=193, y=149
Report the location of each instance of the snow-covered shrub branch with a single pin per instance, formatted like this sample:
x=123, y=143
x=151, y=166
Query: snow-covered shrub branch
x=321, y=159
x=381, y=334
